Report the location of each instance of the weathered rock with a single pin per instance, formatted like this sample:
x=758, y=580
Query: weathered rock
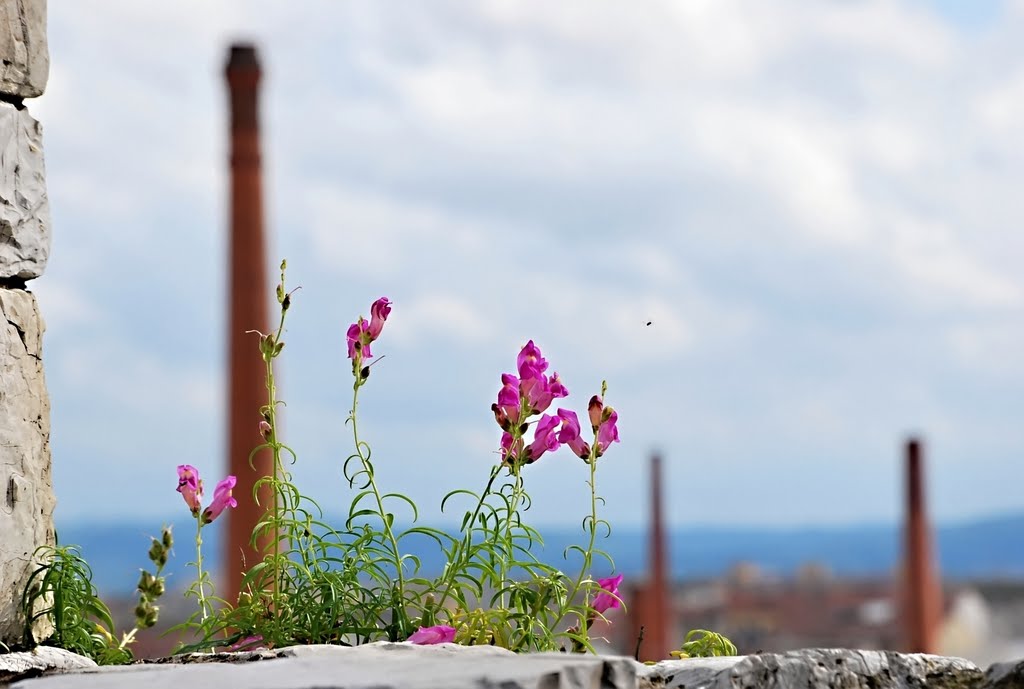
x=24, y=208
x=1005, y=676
x=380, y=666
x=817, y=669
x=40, y=661
x=26, y=493
x=24, y=58
x=403, y=666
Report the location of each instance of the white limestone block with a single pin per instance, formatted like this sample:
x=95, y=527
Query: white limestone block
x=817, y=668
x=25, y=211
x=24, y=208
x=24, y=58
x=26, y=491
x=40, y=661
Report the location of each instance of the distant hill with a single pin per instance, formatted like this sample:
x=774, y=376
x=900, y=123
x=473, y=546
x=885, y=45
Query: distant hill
x=986, y=548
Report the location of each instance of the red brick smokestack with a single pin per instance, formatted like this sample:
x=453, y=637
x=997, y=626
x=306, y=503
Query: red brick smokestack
x=922, y=595
x=248, y=311
x=657, y=613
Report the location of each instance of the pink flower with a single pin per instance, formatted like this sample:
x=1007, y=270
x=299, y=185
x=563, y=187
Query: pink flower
x=608, y=598
x=570, y=433
x=190, y=487
x=221, y=499
x=247, y=644
x=508, y=397
x=360, y=334
x=530, y=363
x=439, y=634
x=544, y=438
x=510, y=451
x=379, y=311
x=358, y=339
x=539, y=392
x=608, y=431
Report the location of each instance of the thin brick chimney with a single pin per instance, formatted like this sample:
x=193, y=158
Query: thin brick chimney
x=247, y=303
x=658, y=604
x=922, y=597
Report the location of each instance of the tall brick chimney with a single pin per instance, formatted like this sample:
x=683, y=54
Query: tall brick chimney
x=247, y=303
x=922, y=597
x=657, y=613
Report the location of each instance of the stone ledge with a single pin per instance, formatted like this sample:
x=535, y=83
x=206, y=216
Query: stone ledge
x=40, y=661
x=447, y=666
x=24, y=58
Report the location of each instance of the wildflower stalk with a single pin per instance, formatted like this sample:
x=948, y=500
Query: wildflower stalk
x=386, y=519
x=271, y=347
x=200, y=579
x=513, y=512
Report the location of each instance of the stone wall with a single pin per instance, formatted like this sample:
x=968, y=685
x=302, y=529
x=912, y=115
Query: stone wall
x=26, y=493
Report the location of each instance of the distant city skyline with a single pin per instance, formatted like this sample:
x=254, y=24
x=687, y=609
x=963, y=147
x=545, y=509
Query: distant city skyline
x=815, y=207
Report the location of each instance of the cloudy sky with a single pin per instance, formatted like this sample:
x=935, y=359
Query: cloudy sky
x=816, y=205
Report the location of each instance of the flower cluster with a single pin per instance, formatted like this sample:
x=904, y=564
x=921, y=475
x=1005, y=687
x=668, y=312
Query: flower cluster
x=531, y=394
x=191, y=488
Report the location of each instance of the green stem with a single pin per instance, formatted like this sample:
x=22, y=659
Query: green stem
x=587, y=555
x=513, y=509
x=199, y=566
x=368, y=468
x=275, y=447
x=467, y=542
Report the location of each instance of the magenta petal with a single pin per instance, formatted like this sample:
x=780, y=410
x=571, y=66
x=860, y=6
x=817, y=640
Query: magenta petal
x=379, y=312
x=607, y=599
x=439, y=634
x=530, y=362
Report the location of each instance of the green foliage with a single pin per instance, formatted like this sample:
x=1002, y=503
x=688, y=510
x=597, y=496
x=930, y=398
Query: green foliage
x=700, y=643
x=60, y=593
x=354, y=583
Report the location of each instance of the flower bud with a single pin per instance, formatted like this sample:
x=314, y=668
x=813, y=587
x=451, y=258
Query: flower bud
x=595, y=409
x=156, y=551
x=146, y=581
x=265, y=430
x=167, y=538
x=280, y=293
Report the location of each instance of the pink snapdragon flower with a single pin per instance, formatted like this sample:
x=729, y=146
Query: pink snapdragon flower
x=608, y=431
x=191, y=487
x=540, y=392
x=439, y=634
x=530, y=363
x=608, y=598
x=362, y=333
x=358, y=339
x=508, y=399
x=570, y=434
x=545, y=438
x=510, y=450
x=221, y=499
x=379, y=312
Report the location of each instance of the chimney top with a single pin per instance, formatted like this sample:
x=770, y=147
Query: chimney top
x=243, y=56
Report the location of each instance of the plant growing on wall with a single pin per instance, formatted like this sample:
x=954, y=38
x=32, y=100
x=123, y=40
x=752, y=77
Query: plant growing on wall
x=354, y=583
